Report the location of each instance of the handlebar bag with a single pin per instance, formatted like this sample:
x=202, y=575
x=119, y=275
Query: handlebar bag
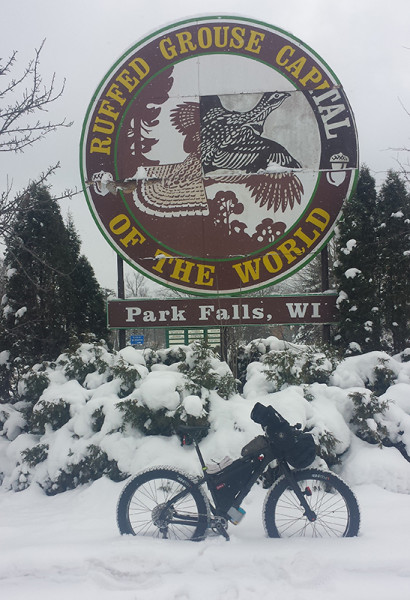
x=302, y=452
x=296, y=447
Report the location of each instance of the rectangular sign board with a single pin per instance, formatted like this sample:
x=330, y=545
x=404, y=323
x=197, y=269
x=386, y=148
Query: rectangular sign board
x=136, y=340
x=222, y=311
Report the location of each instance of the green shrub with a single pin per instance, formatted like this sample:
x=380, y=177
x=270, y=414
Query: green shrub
x=90, y=468
x=317, y=367
x=56, y=414
x=367, y=412
x=405, y=355
x=79, y=363
x=145, y=420
x=35, y=455
x=298, y=367
x=162, y=421
x=227, y=386
x=326, y=448
x=35, y=382
x=22, y=480
x=200, y=377
x=244, y=356
x=151, y=358
x=97, y=419
x=174, y=356
x=384, y=377
x=128, y=375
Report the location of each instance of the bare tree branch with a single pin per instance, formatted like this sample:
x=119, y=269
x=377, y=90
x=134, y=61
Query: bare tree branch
x=404, y=165
x=24, y=99
x=21, y=99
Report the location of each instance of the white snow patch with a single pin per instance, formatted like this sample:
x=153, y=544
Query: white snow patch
x=20, y=312
x=352, y=273
x=349, y=246
x=193, y=405
x=4, y=356
x=159, y=390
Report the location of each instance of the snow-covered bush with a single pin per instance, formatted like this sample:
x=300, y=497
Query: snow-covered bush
x=48, y=414
x=383, y=377
x=33, y=384
x=127, y=374
x=253, y=352
x=205, y=372
x=84, y=360
x=327, y=444
x=93, y=465
x=368, y=411
x=35, y=455
x=92, y=412
x=298, y=366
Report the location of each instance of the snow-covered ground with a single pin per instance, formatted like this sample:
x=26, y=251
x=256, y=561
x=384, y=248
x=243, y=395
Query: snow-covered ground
x=68, y=547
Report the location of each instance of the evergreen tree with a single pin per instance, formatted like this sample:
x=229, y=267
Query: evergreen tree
x=50, y=293
x=357, y=270
x=394, y=257
x=89, y=305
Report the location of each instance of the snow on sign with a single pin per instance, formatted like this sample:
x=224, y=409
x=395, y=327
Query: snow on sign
x=216, y=155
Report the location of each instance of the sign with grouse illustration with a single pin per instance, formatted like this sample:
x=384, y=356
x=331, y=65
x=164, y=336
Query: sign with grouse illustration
x=216, y=155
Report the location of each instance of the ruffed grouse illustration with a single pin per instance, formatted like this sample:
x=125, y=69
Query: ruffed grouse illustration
x=222, y=146
x=234, y=140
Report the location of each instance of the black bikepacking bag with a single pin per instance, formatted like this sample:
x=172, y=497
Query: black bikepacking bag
x=256, y=447
x=302, y=452
x=296, y=447
x=230, y=480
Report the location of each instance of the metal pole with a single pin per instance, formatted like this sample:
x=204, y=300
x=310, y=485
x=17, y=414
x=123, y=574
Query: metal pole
x=325, y=286
x=121, y=294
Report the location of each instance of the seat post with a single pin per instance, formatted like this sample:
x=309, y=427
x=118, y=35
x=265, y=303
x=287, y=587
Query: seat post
x=201, y=460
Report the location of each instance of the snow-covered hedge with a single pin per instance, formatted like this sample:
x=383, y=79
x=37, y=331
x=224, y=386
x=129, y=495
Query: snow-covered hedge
x=93, y=412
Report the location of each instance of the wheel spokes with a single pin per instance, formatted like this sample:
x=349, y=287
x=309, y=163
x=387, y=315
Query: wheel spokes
x=332, y=516
x=151, y=511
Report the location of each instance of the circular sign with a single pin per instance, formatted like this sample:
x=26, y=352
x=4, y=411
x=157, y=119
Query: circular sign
x=216, y=155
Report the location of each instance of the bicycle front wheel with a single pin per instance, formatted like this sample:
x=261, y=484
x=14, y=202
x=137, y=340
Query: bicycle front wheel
x=333, y=502
x=163, y=503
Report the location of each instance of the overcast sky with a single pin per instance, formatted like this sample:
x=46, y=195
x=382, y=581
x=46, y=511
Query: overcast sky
x=365, y=42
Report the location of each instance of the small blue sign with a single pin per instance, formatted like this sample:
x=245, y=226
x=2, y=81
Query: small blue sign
x=137, y=340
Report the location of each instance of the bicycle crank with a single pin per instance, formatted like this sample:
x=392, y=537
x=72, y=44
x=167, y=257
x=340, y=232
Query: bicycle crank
x=219, y=525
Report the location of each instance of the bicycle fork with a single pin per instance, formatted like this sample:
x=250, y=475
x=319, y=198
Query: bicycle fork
x=301, y=495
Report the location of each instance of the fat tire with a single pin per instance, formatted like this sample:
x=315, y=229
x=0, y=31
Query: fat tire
x=281, y=503
x=139, y=495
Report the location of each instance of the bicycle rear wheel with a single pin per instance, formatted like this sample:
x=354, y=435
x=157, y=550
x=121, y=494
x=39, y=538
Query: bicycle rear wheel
x=146, y=506
x=335, y=506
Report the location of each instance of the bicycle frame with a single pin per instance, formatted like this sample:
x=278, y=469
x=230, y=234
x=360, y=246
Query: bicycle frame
x=239, y=497
x=264, y=460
